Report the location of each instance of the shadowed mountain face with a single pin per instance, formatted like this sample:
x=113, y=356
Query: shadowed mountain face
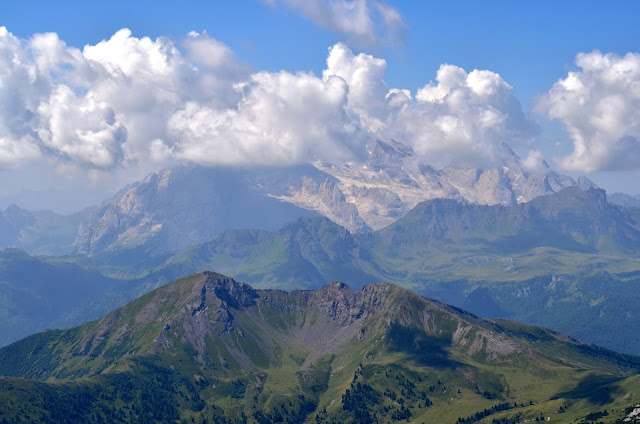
x=211, y=348
x=37, y=294
x=173, y=209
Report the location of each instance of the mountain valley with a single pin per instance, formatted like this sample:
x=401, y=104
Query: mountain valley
x=486, y=259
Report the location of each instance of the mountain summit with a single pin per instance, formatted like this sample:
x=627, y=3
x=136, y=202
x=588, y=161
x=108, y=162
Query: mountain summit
x=393, y=172
x=210, y=348
x=175, y=208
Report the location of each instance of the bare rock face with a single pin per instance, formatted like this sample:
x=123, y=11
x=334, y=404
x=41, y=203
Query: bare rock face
x=325, y=197
x=326, y=320
x=392, y=182
x=346, y=306
x=175, y=208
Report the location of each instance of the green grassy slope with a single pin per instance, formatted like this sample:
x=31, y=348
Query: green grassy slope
x=206, y=348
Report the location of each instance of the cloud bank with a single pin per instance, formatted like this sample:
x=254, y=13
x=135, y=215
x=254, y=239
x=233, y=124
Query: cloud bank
x=135, y=102
x=599, y=105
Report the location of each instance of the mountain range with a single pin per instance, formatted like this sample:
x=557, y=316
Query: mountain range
x=484, y=258
x=626, y=200
x=39, y=232
x=211, y=349
x=175, y=208
x=440, y=239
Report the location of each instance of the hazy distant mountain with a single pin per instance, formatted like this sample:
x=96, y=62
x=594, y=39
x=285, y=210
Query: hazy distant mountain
x=440, y=240
x=625, y=200
x=392, y=182
x=175, y=208
x=304, y=253
x=599, y=307
x=570, y=220
x=209, y=348
x=36, y=293
x=39, y=232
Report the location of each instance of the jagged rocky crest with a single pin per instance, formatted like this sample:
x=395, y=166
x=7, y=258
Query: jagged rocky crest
x=208, y=346
x=175, y=208
x=228, y=324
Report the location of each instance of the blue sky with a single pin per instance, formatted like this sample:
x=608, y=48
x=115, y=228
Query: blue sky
x=530, y=45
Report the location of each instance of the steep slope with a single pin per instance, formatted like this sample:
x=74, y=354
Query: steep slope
x=172, y=209
x=392, y=182
x=176, y=208
x=599, y=307
x=207, y=347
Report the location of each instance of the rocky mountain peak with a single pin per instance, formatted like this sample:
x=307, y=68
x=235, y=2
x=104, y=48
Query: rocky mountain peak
x=508, y=157
x=384, y=154
x=337, y=287
x=16, y=216
x=346, y=306
x=172, y=209
x=232, y=292
x=581, y=197
x=586, y=184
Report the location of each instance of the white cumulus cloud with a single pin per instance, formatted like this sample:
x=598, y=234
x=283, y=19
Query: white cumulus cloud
x=363, y=22
x=283, y=118
x=363, y=74
x=599, y=105
x=108, y=104
x=21, y=88
x=81, y=128
x=463, y=117
x=137, y=103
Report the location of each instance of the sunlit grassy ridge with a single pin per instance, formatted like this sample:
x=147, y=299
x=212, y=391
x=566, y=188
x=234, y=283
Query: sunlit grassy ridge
x=209, y=348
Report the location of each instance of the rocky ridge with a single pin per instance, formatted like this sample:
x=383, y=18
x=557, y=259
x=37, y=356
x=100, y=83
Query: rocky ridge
x=392, y=182
x=194, y=310
x=175, y=208
x=207, y=346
